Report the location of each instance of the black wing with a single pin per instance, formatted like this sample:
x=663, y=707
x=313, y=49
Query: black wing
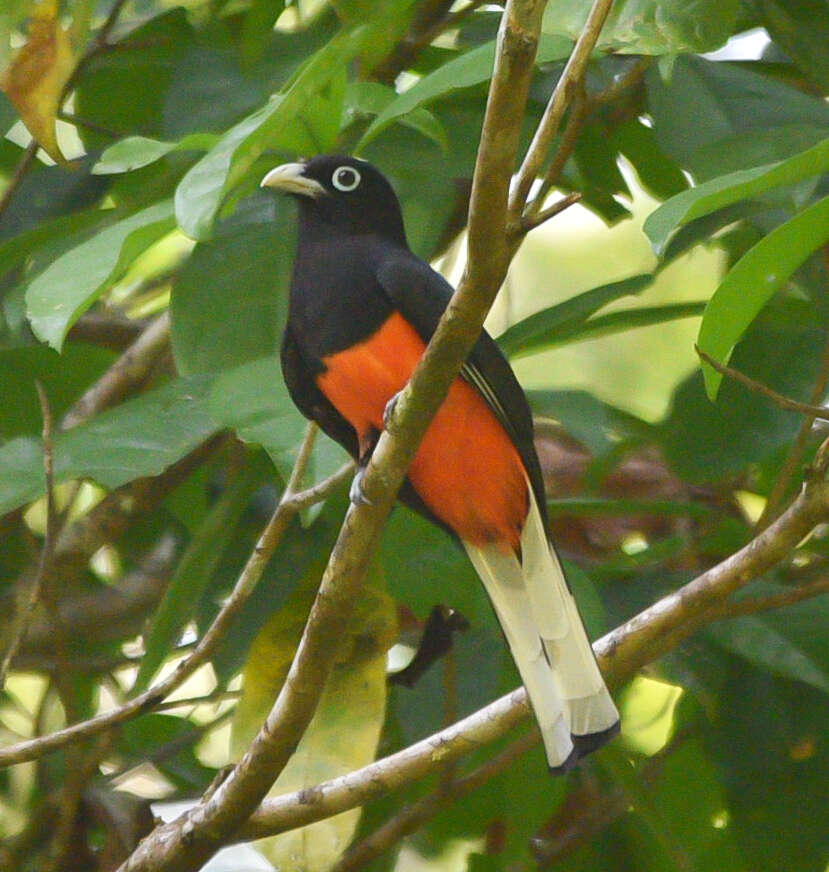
x=421, y=295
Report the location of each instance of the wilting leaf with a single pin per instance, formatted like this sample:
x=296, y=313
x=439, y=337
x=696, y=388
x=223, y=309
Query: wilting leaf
x=38, y=73
x=345, y=730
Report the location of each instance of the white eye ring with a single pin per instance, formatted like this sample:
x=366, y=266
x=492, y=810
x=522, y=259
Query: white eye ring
x=345, y=179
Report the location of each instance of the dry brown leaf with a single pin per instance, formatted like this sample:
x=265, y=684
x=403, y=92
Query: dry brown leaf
x=38, y=73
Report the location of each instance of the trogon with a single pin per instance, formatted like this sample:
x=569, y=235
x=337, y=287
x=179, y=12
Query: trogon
x=362, y=308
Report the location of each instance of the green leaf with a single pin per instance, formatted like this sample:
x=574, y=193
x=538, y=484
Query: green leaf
x=754, y=638
x=135, y=152
x=650, y=27
x=714, y=117
x=801, y=29
x=589, y=507
x=550, y=326
x=630, y=319
x=725, y=190
x=470, y=68
x=194, y=571
x=59, y=295
x=139, y=438
x=753, y=280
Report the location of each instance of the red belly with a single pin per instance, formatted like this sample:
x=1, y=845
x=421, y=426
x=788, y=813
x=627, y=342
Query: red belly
x=466, y=470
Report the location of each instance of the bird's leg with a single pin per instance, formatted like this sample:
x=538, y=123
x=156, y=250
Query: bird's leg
x=389, y=410
x=368, y=442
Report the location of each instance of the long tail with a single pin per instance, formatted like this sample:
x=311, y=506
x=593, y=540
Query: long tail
x=551, y=650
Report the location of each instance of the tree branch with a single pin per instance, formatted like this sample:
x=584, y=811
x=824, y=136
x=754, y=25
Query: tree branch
x=24, y=612
x=819, y=412
x=291, y=503
x=565, y=89
x=186, y=843
x=128, y=372
x=642, y=639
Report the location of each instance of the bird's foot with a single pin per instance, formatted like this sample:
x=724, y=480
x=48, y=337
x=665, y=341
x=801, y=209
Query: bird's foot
x=389, y=410
x=355, y=493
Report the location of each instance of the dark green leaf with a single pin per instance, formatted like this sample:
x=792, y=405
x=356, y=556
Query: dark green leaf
x=230, y=299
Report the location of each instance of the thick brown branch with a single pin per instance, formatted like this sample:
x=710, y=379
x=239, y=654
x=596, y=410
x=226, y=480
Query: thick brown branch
x=290, y=504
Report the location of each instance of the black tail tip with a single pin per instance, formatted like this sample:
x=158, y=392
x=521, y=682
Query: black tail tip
x=584, y=745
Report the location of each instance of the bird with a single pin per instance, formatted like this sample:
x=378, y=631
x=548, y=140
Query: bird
x=362, y=307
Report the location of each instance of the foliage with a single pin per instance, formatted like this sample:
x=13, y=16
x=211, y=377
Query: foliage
x=170, y=115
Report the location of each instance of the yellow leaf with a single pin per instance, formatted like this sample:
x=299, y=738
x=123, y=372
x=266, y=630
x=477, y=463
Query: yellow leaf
x=345, y=729
x=38, y=73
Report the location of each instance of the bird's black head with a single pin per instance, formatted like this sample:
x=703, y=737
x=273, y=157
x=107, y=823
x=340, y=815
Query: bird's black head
x=341, y=192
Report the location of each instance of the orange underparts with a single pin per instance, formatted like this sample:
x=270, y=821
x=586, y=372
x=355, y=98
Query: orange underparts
x=466, y=470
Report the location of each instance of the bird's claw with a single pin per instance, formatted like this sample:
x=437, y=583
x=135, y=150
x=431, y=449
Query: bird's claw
x=355, y=493
x=389, y=410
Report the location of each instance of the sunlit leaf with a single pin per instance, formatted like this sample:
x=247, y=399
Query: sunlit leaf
x=135, y=152
x=653, y=27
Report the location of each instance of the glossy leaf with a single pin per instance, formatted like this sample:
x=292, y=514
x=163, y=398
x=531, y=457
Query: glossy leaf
x=752, y=281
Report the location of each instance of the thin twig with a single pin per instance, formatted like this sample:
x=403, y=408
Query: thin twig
x=530, y=222
x=795, y=456
x=25, y=613
x=820, y=412
x=412, y=817
x=572, y=74
x=128, y=372
x=23, y=167
x=290, y=504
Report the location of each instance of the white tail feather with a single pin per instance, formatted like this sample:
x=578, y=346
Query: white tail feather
x=547, y=638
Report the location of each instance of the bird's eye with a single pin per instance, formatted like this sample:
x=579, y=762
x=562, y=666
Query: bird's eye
x=345, y=179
